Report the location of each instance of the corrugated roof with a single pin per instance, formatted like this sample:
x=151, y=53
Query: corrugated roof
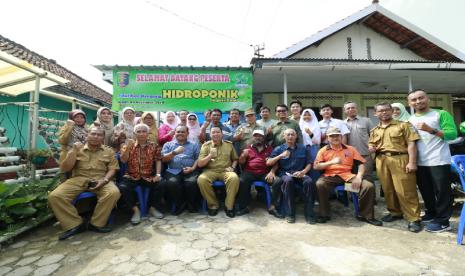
x=167, y=67
x=76, y=83
x=391, y=26
x=254, y=60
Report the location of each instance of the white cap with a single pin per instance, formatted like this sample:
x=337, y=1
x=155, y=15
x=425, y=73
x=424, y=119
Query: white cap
x=258, y=131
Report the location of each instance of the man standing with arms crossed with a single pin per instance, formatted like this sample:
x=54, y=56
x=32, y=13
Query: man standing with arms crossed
x=435, y=127
x=396, y=158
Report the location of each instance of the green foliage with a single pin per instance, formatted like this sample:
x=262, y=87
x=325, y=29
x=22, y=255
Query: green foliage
x=19, y=203
x=39, y=153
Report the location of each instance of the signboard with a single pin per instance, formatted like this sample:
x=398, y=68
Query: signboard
x=192, y=90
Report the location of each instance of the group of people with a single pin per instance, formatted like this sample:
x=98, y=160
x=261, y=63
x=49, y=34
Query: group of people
x=181, y=159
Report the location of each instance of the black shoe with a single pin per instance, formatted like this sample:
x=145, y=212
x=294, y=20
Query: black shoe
x=73, y=231
x=371, y=221
x=414, y=226
x=323, y=219
x=180, y=209
x=290, y=219
x=427, y=217
x=390, y=218
x=192, y=209
x=230, y=213
x=311, y=220
x=212, y=212
x=104, y=229
x=275, y=213
x=242, y=212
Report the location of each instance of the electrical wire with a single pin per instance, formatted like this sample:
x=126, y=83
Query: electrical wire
x=198, y=25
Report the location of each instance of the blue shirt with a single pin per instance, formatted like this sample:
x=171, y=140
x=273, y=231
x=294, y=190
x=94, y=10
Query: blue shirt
x=180, y=161
x=300, y=157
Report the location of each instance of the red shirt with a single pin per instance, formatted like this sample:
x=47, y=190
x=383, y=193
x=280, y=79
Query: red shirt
x=256, y=162
x=141, y=162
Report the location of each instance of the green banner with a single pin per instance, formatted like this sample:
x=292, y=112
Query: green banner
x=193, y=90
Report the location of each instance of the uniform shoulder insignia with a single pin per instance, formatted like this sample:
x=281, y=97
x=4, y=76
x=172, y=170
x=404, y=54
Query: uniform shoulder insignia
x=227, y=141
x=207, y=143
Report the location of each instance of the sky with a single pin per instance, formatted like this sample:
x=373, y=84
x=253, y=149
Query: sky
x=81, y=33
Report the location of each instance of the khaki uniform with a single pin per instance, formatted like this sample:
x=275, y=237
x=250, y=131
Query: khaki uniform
x=215, y=170
x=247, y=130
x=400, y=188
x=90, y=165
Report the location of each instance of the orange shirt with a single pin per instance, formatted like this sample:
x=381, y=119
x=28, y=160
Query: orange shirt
x=346, y=153
x=142, y=160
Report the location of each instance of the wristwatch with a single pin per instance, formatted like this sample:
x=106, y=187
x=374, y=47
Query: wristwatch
x=434, y=131
x=158, y=174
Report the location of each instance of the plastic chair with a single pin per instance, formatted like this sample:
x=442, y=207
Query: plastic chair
x=458, y=164
x=143, y=196
x=215, y=184
x=340, y=190
x=85, y=195
x=267, y=191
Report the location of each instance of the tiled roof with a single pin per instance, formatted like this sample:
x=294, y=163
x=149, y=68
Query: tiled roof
x=391, y=26
x=77, y=84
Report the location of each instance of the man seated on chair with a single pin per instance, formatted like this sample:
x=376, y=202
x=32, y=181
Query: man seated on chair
x=292, y=162
x=144, y=169
x=253, y=159
x=218, y=160
x=181, y=175
x=336, y=160
x=92, y=166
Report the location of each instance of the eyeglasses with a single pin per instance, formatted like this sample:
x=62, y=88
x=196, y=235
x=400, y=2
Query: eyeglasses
x=281, y=110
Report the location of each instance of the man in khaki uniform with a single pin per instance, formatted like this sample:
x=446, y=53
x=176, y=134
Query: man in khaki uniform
x=396, y=163
x=92, y=166
x=243, y=135
x=218, y=160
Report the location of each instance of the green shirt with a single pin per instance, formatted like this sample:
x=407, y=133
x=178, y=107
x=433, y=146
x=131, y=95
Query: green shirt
x=278, y=129
x=247, y=131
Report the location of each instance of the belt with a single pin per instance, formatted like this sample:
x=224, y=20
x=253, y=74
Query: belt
x=392, y=153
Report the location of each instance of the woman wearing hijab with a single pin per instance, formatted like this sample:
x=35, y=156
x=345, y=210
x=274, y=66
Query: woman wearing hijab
x=166, y=131
x=311, y=135
x=149, y=119
x=73, y=131
x=105, y=121
x=194, y=128
x=399, y=112
x=127, y=123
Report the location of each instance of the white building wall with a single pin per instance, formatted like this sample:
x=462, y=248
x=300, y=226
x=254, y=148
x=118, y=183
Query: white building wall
x=335, y=46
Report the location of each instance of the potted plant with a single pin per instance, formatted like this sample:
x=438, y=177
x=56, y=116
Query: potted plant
x=39, y=156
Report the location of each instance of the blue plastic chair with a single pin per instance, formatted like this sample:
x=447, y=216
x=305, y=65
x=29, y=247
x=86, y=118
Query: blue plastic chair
x=267, y=191
x=215, y=184
x=458, y=165
x=339, y=190
x=85, y=195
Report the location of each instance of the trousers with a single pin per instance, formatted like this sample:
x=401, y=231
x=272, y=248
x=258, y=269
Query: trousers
x=434, y=185
x=182, y=188
x=400, y=188
x=60, y=201
x=366, y=196
x=231, y=181
x=128, y=185
x=284, y=187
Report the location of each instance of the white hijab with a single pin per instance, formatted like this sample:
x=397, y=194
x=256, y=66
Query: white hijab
x=126, y=126
x=194, y=130
x=176, y=120
x=313, y=126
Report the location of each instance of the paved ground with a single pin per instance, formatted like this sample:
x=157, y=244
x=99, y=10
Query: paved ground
x=257, y=244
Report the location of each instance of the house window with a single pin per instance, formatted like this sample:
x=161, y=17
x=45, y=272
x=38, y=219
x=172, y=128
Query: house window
x=368, y=48
x=349, y=48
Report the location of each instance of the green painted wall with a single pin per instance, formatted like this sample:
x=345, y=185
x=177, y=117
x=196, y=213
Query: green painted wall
x=16, y=118
x=364, y=101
